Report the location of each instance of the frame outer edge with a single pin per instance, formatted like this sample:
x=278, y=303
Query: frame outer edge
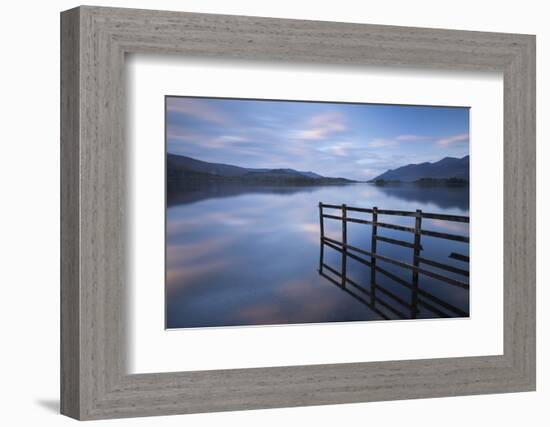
x=519, y=240
x=532, y=185
x=90, y=365
x=527, y=148
x=70, y=387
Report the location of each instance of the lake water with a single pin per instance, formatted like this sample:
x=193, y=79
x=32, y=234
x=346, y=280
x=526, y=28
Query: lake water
x=250, y=255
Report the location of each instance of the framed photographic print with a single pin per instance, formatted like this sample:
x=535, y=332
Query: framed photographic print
x=317, y=162
x=263, y=213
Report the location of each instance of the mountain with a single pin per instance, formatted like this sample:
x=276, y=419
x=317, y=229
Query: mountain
x=186, y=168
x=176, y=163
x=312, y=174
x=444, y=169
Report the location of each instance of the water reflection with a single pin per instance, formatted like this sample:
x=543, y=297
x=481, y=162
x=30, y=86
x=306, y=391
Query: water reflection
x=441, y=196
x=240, y=255
x=189, y=192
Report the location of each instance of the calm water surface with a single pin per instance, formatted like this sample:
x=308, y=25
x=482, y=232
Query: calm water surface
x=250, y=255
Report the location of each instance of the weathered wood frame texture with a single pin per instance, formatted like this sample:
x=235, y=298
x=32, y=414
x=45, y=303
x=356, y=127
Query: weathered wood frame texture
x=94, y=41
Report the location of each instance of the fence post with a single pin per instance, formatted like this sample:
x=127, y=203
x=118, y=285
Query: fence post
x=344, y=243
x=416, y=262
x=372, y=258
x=322, y=233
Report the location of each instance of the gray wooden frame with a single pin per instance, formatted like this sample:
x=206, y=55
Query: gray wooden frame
x=94, y=41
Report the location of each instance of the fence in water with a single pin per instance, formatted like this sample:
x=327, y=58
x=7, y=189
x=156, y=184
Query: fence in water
x=386, y=303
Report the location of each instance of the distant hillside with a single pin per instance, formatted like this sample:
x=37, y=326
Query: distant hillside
x=449, y=167
x=186, y=168
x=176, y=163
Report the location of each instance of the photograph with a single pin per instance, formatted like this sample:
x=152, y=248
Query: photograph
x=296, y=212
x=267, y=213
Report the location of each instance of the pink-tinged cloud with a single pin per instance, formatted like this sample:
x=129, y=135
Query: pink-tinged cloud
x=184, y=275
x=455, y=139
x=322, y=126
x=382, y=143
x=395, y=142
x=406, y=138
x=198, y=109
x=310, y=231
x=338, y=148
x=182, y=134
x=190, y=252
x=455, y=227
x=287, y=304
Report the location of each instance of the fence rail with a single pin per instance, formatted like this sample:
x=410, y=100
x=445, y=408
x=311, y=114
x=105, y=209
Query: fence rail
x=371, y=258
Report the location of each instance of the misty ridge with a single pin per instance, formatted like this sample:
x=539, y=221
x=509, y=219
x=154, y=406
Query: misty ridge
x=449, y=171
x=181, y=168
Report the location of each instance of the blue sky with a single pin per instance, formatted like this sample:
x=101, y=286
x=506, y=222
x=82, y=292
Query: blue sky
x=356, y=141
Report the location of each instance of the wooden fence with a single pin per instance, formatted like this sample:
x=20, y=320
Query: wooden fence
x=390, y=302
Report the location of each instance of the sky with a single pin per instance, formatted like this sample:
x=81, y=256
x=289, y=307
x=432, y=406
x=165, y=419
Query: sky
x=354, y=141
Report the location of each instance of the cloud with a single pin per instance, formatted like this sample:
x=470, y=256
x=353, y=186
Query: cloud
x=198, y=109
x=323, y=125
x=412, y=138
x=455, y=227
x=338, y=148
x=382, y=143
x=463, y=137
x=178, y=135
x=394, y=142
x=367, y=161
x=186, y=275
x=190, y=252
x=232, y=138
x=310, y=231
